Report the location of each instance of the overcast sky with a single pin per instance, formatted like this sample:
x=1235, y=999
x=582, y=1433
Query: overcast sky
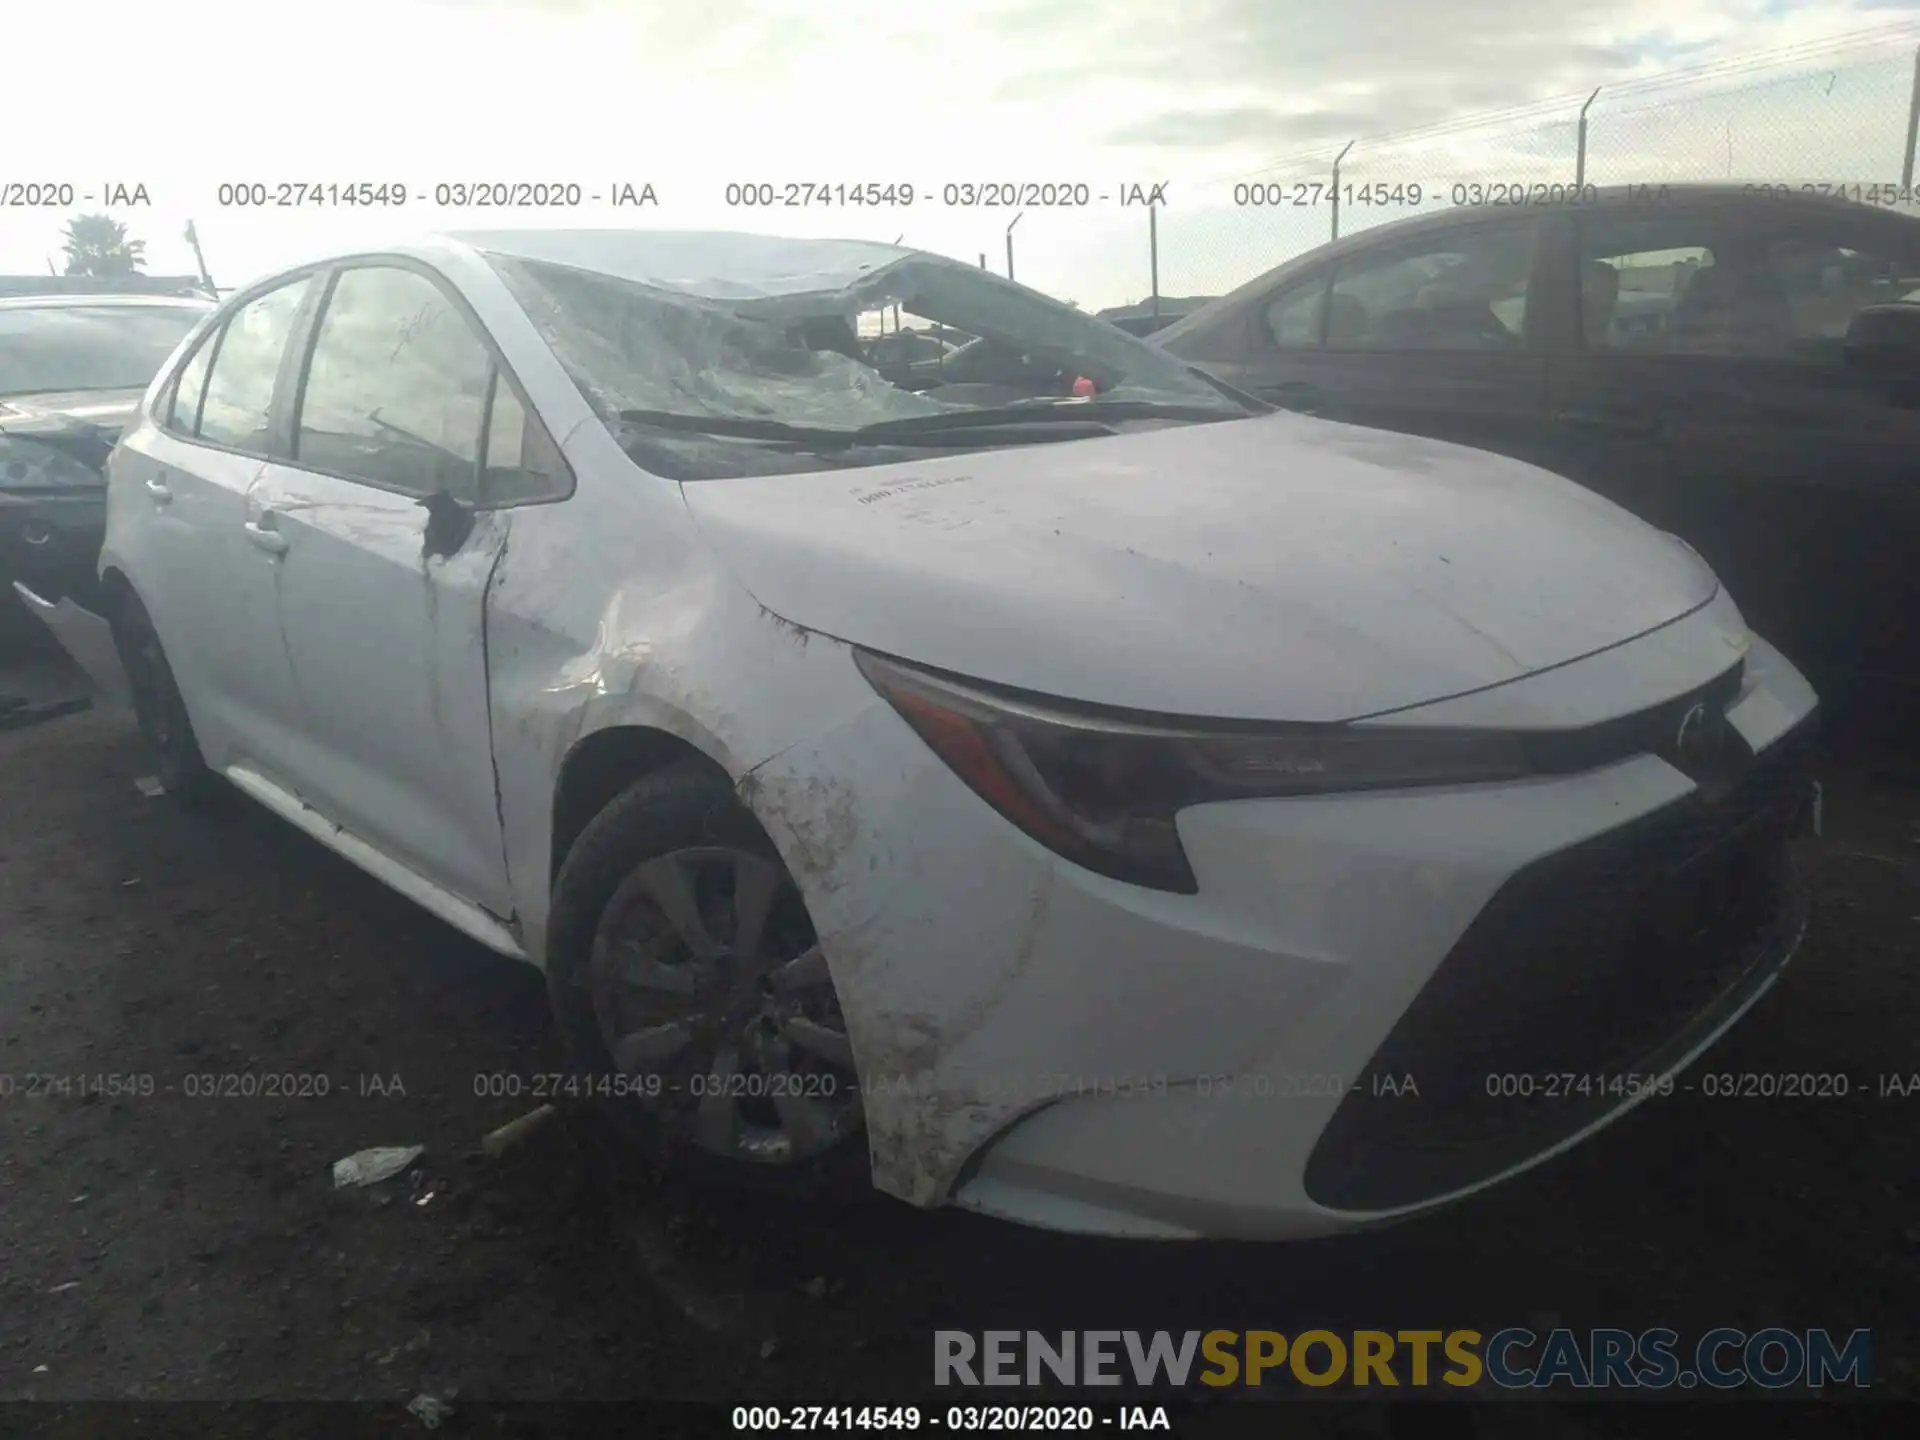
x=193, y=93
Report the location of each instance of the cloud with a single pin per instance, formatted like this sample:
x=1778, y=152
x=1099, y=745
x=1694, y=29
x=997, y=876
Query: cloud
x=1205, y=129
x=692, y=98
x=1247, y=75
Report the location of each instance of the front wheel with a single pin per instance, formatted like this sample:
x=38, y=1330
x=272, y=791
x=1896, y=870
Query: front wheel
x=691, y=991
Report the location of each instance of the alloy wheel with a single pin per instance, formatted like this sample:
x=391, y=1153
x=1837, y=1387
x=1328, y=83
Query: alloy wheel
x=714, y=1001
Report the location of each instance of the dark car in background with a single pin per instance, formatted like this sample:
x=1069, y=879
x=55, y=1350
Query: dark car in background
x=1149, y=317
x=914, y=358
x=188, y=286
x=910, y=347
x=73, y=368
x=1737, y=364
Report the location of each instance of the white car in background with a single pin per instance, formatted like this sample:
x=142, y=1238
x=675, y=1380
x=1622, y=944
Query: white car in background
x=1144, y=814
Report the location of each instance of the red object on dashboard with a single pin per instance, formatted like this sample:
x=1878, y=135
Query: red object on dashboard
x=1083, y=386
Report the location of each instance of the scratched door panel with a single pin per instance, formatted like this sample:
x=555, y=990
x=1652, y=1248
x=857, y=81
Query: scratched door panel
x=388, y=651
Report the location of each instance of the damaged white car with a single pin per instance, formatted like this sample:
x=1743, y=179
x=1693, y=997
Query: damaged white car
x=1074, y=792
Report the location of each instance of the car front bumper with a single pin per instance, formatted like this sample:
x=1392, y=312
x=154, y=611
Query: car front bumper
x=50, y=540
x=88, y=640
x=1569, y=998
x=1375, y=1004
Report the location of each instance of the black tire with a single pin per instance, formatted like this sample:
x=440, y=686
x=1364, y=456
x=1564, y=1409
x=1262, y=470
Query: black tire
x=161, y=712
x=673, y=809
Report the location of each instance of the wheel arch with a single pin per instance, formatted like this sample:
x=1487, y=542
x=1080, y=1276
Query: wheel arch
x=601, y=764
x=115, y=590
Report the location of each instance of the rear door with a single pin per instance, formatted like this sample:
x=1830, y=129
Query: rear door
x=385, y=568
x=1707, y=392
x=179, y=511
x=1432, y=335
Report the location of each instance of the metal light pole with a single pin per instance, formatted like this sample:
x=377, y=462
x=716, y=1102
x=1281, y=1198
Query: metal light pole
x=1913, y=126
x=206, y=278
x=1010, y=224
x=1336, y=188
x=1153, y=254
x=1580, y=155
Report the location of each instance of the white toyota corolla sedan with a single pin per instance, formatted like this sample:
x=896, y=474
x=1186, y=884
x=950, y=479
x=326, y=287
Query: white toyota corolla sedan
x=1039, y=778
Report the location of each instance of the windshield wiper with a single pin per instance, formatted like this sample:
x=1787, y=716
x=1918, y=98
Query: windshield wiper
x=1049, y=411
x=1252, y=403
x=1017, y=421
x=735, y=427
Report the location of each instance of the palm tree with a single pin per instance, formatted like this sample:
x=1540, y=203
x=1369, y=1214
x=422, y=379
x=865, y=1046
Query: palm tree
x=98, y=245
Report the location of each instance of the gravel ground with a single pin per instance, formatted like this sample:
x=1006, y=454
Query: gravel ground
x=178, y=1246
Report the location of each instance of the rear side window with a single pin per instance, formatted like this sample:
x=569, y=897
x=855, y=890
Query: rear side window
x=521, y=462
x=239, y=390
x=183, y=412
x=396, y=391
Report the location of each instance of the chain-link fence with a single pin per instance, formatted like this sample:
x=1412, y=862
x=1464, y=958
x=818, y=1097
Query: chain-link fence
x=1845, y=121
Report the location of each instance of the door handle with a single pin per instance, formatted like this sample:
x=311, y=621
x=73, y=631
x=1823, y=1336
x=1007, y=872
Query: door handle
x=271, y=541
x=1619, y=424
x=159, y=492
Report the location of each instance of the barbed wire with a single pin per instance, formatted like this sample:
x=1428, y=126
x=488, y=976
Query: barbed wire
x=1557, y=107
x=1796, y=113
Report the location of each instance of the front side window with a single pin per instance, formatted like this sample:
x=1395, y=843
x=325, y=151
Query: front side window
x=1461, y=291
x=396, y=390
x=246, y=362
x=1739, y=286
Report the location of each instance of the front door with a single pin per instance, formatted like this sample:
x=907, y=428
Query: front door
x=384, y=573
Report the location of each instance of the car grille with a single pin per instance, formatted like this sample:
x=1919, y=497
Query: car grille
x=1612, y=958
x=1645, y=732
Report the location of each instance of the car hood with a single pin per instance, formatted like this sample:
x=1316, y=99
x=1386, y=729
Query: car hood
x=1272, y=568
x=109, y=410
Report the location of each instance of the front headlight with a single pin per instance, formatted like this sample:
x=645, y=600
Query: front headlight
x=1103, y=792
x=32, y=466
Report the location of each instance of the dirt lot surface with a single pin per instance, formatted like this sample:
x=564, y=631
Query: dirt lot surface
x=180, y=1245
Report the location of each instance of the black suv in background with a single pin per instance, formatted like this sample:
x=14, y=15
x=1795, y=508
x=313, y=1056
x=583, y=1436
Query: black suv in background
x=1740, y=365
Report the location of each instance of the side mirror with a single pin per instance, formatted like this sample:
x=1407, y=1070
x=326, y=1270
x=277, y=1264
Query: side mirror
x=1884, y=340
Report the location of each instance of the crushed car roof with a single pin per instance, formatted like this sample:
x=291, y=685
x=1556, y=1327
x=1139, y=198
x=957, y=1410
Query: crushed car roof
x=709, y=264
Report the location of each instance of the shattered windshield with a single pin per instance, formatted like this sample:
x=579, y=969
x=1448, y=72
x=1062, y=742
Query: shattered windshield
x=918, y=338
